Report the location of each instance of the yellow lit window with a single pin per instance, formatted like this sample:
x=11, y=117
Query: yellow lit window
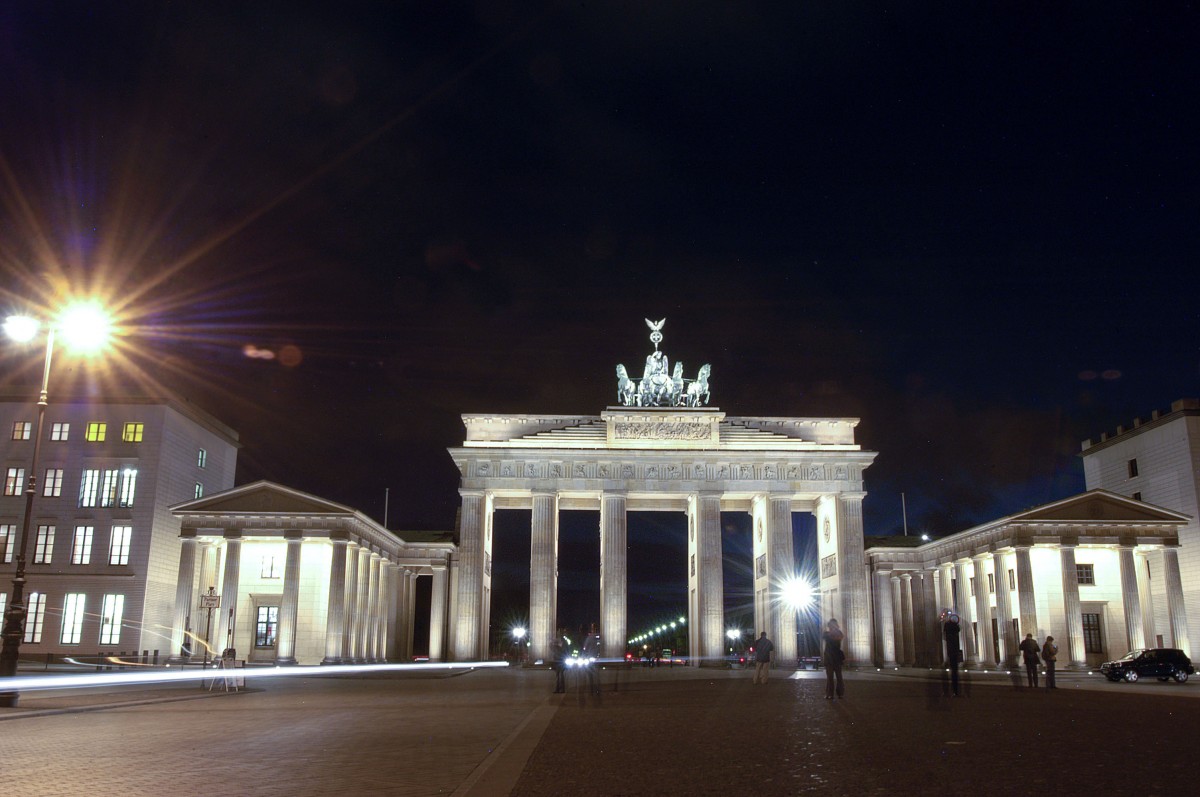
x=96, y=432
x=132, y=433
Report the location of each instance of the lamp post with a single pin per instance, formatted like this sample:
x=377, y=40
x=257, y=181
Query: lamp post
x=87, y=328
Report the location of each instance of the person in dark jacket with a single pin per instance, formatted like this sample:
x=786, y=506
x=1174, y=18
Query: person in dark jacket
x=1050, y=657
x=950, y=632
x=833, y=658
x=559, y=656
x=1029, y=650
x=762, y=657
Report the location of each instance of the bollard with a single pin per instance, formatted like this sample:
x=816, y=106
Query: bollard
x=156, y=657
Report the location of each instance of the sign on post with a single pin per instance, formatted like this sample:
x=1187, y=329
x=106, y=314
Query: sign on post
x=210, y=601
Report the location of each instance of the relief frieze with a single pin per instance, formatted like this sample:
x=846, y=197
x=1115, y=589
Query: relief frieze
x=661, y=430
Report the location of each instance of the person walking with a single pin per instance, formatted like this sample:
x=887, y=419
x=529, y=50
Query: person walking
x=762, y=658
x=1029, y=650
x=1050, y=656
x=833, y=658
x=559, y=662
x=950, y=632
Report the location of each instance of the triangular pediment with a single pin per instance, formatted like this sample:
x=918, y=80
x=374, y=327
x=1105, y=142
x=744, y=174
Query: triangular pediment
x=1099, y=506
x=262, y=497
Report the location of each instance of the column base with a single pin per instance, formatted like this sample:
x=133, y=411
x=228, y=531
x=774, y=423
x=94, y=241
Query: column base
x=286, y=661
x=333, y=660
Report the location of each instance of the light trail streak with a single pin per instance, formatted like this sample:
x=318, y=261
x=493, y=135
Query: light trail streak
x=32, y=683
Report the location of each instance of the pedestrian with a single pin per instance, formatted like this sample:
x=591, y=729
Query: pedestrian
x=591, y=659
x=950, y=632
x=559, y=662
x=1050, y=656
x=762, y=658
x=1029, y=650
x=833, y=658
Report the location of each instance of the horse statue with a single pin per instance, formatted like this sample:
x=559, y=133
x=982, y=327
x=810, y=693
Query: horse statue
x=697, y=391
x=626, y=390
x=677, y=385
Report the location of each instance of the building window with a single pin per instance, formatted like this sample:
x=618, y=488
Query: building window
x=991, y=582
x=971, y=581
x=43, y=551
x=1012, y=579
x=89, y=487
x=1137, y=496
x=81, y=548
x=8, y=537
x=35, y=615
x=128, y=486
x=118, y=548
x=110, y=619
x=14, y=481
x=1093, y=641
x=59, y=432
x=1133, y=468
x=266, y=626
x=1086, y=574
x=22, y=430
x=96, y=432
x=108, y=489
x=72, y=618
x=52, y=485
x=132, y=432
x=202, y=459
x=270, y=567
x=199, y=490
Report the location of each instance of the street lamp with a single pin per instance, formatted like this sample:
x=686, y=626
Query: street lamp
x=85, y=328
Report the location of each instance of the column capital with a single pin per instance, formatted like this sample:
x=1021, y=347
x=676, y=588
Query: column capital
x=906, y=576
x=187, y=534
x=294, y=535
x=233, y=534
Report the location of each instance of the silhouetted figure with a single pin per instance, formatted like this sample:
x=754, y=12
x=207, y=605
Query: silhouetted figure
x=762, y=658
x=1029, y=650
x=950, y=632
x=591, y=656
x=1050, y=657
x=558, y=652
x=833, y=658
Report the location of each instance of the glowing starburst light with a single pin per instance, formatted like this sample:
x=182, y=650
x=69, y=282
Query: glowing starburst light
x=85, y=327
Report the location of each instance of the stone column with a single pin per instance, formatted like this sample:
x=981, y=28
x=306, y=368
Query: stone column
x=285, y=651
x=360, y=607
x=336, y=612
x=391, y=596
x=1175, y=605
x=963, y=606
x=613, y=587
x=883, y=611
x=983, y=614
x=856, y=603
x=410, y=614
x=1008, y=635
x=437, y=613
x=1134, y=634
x=1145, y=598
x=710, y=595
x=466, y=636
x=229, y=592
x=181, y=642
x=1025, y=593
x=210, y=552
x=945, y=587
x=898, y=617
x=543, y=572
x=906, y=604
x=371, y=621
x=933, y=637
x=351, y=600
x=1074, y=612
x=400, y=641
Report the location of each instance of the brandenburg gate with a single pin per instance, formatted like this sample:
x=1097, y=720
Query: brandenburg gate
x=661, y=449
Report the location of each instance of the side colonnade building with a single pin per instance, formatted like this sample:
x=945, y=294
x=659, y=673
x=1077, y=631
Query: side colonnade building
x=299, y=579
x=1077, y=569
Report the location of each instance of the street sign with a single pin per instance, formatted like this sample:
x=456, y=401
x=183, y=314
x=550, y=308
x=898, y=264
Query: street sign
x=210, y=601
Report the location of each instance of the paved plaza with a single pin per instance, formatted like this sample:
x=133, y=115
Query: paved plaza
x=649, y=732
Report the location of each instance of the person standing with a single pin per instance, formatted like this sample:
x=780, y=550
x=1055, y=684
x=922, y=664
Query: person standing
x=559, y=653
x=1029, y=650
x=591, y=655
x=950, y=632
x=1050, y=656
x=833, y=658
x=762, y=657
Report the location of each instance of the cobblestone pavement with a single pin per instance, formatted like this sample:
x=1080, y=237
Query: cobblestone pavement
x=660, y=732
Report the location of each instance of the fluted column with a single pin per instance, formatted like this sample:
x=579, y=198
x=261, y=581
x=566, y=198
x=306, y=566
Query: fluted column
x=467, y=625
x=437, y=613
x=886, y=619
x=1134, y=636
x=410, y=614
x=1025, y=592
x=543, y=572
x=1007, y=635
x=351, y=600
x=360, y=605
x=181, y=643
x=229, y=591
x=856, y=603
x=962, y=605
x=1175, y=605
x=933, y=637
x=285, y=651
x=1072, y=608
x=983, y=613
x=336, y=611
x=1145, y=598
x=613, y=586
x=906, y=603
x=392, y=598
x=371, y=623
x=209, y=553
x=709, y=623
x=898, y=617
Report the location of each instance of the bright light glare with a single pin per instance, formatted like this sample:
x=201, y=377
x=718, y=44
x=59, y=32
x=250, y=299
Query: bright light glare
x=518, y=633
x=733, y=633
x=798, y=594
x=20, y=328
x=85, y=327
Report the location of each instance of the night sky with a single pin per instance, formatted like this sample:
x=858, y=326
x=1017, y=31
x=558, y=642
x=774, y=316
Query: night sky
x=340, y=227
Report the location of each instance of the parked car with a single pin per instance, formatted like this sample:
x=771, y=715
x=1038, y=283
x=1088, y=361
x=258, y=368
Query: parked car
x=1160, y=663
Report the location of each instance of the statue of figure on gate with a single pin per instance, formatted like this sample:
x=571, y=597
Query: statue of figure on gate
x=659, y=385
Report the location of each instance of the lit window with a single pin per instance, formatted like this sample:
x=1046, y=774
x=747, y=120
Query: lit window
x=270, y=567
x=72, y=618
x=110, y=619
x=991, y=582
x=43, y=551
x=60, y=431
x=1086, y=574
x=35, y=614
x=8, y=537
x=89, y=487
x=199, y=490
x=128, y=485
x=1133, y=468
x=108, y=488
x=1093, y=640
x=52, y=484
x=81, y=548
x=96, y=432
x=266, y=626
x=202, y=458
x=118, y=548
x=22, y=430
x=132, y=432
x=14, y=481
